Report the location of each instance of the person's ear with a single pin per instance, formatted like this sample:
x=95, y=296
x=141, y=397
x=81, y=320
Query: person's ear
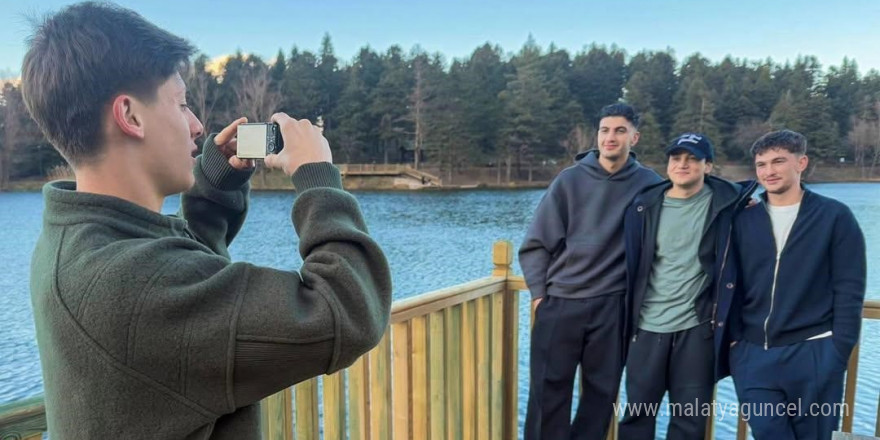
x=126, y=116
x=802, y=163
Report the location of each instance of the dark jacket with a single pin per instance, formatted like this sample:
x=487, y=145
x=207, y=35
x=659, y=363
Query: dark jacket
x=816, y=285
x=574, y=246
x=642, y=219
x=146, y=329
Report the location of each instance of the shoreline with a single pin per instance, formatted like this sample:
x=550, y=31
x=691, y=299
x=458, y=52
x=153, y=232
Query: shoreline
x=476, y=179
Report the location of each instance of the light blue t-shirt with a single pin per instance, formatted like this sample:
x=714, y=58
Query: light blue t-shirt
x=677, y=277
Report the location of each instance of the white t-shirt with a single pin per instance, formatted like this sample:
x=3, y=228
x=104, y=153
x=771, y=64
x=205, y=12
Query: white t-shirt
x=782, y=218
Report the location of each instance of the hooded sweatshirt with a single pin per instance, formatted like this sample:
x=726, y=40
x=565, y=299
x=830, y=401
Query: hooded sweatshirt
x=574, y=246
x=147, y=330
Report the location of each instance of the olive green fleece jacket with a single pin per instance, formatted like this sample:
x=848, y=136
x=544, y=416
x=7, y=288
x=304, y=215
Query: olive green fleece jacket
x=146, y=329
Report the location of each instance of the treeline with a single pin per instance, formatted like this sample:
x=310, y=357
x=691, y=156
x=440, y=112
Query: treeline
x=535, y=106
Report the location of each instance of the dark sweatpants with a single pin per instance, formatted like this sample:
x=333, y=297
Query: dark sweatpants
x=682, y=363
x=790, y=392
x=568, y=332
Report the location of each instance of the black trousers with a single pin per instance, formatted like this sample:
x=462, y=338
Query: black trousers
x=681, y=363
x=792, y=392
x=567, y=333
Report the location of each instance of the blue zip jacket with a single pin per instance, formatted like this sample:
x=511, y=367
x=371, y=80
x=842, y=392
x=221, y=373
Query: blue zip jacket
x=640, y=231
x=816, y=285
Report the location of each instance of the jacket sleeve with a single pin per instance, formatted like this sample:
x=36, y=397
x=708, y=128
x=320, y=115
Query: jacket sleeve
x=230, y=334
x=216, y=206
x=544, y=238
x=848, y=279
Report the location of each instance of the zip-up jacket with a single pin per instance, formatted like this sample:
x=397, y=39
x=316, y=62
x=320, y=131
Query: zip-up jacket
x=641, y=222
x=814, y=285
x=574, y=246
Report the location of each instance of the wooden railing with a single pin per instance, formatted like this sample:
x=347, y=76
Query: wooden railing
x=445, y=369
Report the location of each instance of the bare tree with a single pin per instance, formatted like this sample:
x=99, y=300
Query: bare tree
x=579, y=139
x=203, y=91
x=418, y=100
x=865, y=140
x=12, y=111
x=256, y=97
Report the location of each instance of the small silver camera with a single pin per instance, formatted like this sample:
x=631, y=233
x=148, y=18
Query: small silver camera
x=258, y=140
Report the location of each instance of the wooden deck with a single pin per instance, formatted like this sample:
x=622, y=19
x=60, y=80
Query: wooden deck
x=446, y=369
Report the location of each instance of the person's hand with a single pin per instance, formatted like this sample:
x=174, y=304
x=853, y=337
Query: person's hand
x=733, y=343
x=535, y=303
x=227, y=143
x=303, y=143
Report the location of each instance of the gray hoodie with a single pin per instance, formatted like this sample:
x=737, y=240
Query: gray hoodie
x=574, y=246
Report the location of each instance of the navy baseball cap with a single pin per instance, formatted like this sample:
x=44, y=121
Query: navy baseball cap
x=696, y=144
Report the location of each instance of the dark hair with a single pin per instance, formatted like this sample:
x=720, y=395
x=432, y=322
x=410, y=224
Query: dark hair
x=622, y=110
x=788, y=140
x=84, y=55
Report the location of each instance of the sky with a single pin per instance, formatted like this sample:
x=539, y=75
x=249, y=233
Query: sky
x=749, y=29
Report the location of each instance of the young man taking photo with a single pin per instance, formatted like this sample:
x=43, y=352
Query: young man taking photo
x=145, y=327
x=677, y=239
x=573, y=262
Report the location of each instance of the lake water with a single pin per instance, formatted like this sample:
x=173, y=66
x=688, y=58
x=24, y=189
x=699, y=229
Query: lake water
x=432, y=240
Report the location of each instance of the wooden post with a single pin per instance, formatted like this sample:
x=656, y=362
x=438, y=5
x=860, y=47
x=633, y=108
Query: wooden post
x=710, y=422
x=849, y=395
x=502, y=257
x=742, y=429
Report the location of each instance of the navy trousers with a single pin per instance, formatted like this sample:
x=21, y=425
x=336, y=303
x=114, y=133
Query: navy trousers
x=567, y=333
x=793, y=392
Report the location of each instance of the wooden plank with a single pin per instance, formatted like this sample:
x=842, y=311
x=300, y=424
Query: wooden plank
x=496, y=359
x=445, y=298
x=871, y=309
x=483, y=325
x=277, y=416
x=334, y=406
x=359, y=399
x=452, y=329
x=420, y=389
x=849, y=394
x=380, y=390
x=401, y=359
x=306, y=395
x=511, y=363
x=517, y=283
x=468, y=371
x=23, y=418
x=437, y=377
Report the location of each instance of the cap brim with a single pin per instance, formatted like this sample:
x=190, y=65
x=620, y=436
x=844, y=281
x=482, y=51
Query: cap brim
x=676, y=148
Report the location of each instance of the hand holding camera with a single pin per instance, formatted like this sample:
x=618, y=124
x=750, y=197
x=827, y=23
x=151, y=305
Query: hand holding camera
x=302, y=143
x=228, y=145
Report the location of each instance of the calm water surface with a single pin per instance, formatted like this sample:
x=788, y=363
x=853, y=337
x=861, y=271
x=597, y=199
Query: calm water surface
x=432, y=240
